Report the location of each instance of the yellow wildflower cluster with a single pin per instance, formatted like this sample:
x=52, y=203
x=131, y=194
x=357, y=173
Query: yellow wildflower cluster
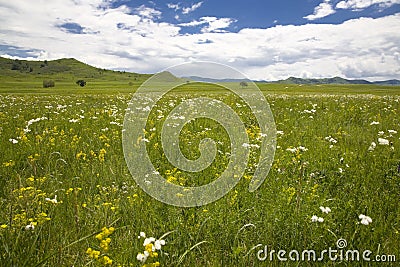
x=105, y=241
x=9, y=163
x=102, y=155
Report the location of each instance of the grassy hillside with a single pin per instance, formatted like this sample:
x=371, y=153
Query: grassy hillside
x=21, y=74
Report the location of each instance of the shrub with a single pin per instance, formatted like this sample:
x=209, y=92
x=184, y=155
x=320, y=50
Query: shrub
x=81, y=83
x=48, y=83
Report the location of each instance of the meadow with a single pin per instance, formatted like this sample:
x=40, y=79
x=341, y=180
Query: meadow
x=67, y=197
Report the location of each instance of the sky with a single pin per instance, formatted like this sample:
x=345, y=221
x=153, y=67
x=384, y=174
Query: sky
x=265, y=40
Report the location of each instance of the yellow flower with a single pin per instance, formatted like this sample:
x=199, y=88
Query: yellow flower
x=102, y=154
x=3, y=226
x=107, y=260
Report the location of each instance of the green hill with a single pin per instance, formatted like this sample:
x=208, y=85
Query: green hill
x=27, y=73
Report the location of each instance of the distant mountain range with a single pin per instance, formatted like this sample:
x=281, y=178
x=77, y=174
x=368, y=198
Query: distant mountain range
x=294, y=80
x=334, y=80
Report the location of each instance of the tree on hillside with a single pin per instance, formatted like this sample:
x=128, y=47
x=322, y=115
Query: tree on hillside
x=81, y=83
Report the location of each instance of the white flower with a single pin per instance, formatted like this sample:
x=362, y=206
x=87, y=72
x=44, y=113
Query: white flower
x=381, y=133
x=279, y=132
x=325, y=209
x=302, y=148
x=148, y=241
x=293, y=150
x=30, y=226
x=12, y=140
x=54, y=200
x=392, y=131
x=246, y=145
x=372, y=146
x=159, y=243
x=365, y=219
x=331, y=139
x=141, y=257
x=73, y=120
x=383, y=141
x=374, y=123
x=142, y=234
x=315, y=218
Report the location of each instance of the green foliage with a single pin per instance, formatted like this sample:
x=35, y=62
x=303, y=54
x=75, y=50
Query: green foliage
x=48, y=83
x=81, y=83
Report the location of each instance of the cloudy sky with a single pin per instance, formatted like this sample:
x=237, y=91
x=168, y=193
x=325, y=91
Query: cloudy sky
x=266, y=40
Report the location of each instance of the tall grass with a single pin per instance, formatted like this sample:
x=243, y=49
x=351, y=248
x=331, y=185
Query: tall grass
x=74, y=151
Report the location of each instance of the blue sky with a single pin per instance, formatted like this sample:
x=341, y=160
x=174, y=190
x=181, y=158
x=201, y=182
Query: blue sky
x=266, y=40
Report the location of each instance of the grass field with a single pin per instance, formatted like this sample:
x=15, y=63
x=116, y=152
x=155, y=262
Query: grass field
x=68, y=199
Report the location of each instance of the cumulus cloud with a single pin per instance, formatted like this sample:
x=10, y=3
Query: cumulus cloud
x=322, y=10
x=119, y=38
x=362, y=4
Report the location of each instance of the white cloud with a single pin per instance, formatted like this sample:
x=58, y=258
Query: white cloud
x=322, y=10
x=119, y=38
x=176, y=7
x=362, y=4
x=187, y=10
x=148, y=12
x=213, y=24
x=216, y=24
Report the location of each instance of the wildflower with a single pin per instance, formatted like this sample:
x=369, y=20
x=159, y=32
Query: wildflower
x=302, y=148
x=293, y=150
x=365, y=219
x=142, y=257
x=104, y=244
x=54, y=200
x=372, y=146
x=325, y=209
x=374, y=123
x=158, y=244
x=142, y=234
x=279, y=132
x=383, y=141
x=30, y=226
x=381, y=133
x=392, y=131
x=106, y=260
x=12, y=140
x=94, y=254
x=3, y=226
x=102, y=154
x=315, y=218
x=148, y=241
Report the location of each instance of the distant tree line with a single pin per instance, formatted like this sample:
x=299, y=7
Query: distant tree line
x=22, y=67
